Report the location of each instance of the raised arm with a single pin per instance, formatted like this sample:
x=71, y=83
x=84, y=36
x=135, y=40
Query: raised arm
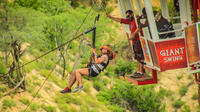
x=113, y=18
x=96, y=60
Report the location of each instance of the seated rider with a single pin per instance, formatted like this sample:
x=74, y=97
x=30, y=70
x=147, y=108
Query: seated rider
x=100, y=63
x=162, y=24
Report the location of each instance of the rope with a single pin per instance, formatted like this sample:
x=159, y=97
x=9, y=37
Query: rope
x=60, y=45
x=41, y=85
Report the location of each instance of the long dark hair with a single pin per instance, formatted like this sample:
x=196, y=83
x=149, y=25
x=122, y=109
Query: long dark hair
x=111, y=55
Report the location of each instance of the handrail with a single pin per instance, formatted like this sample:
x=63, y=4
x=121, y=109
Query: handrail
x=170, y=31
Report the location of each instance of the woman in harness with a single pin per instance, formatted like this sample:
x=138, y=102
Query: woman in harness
x=100, y=63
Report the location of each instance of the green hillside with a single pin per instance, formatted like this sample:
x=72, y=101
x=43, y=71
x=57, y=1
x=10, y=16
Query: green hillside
x=39, y=26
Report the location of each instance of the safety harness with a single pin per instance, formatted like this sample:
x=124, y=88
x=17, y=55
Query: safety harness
x=91, y=63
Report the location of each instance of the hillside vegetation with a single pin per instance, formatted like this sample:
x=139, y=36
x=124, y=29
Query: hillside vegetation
x=39, y=26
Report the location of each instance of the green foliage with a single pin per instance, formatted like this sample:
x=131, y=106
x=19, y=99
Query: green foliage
x=73, y=109
x=186, y=108
x=116, y=108
x=195, y=96
x=133, y=97
x=178, y=103
x=165, y=92
x=109, y=9
x=189, y=76
x=183, y=90
x=61, y=101
x=7, y=103
x=37, y=95
x=47, y=6
x=54, y=78
x=105, y=81
x=48, y=108
x=3, y=89
x=34, y=107
x=124, y=67
x=98, y=84
x=35, y=77
x=28, y=3
x=31, y=89
x=2, y=69
x=179, y=77
x=1, y=94
x=25, y=101
x=37, y=83
x=87, y=88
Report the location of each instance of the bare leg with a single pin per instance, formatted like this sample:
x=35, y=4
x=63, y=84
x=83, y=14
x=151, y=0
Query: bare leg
x=79, y=74
x=72, y=80
x=141, y=68
x=138, y=67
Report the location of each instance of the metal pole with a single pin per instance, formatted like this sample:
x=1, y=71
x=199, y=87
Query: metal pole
x=151, y=20
x=164, y=8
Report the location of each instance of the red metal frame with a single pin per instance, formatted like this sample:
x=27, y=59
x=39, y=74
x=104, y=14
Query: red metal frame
x=145, y=82
x=196, y=78
x=196, y=6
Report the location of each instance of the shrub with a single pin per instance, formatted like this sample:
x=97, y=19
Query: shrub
x=48, y=108
x=1, y=94
x=34, y=106
x=189, y=76
x=25, y=101
x=3, y=89
x=116, y=108
x=98, y=85
x=195, y=96
x=183, y=90
x=186, y=108
x=124, y=67
x=35, y=77
x=37, y=83
x=178, y=103
x=142, y=98
x=179, y=77
x=31, y=89
x=72, y=109
x=61, y=101
x=7, y=103
x=165, y=92
x=105, y=81
x=87, y=88
x=2, y=69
